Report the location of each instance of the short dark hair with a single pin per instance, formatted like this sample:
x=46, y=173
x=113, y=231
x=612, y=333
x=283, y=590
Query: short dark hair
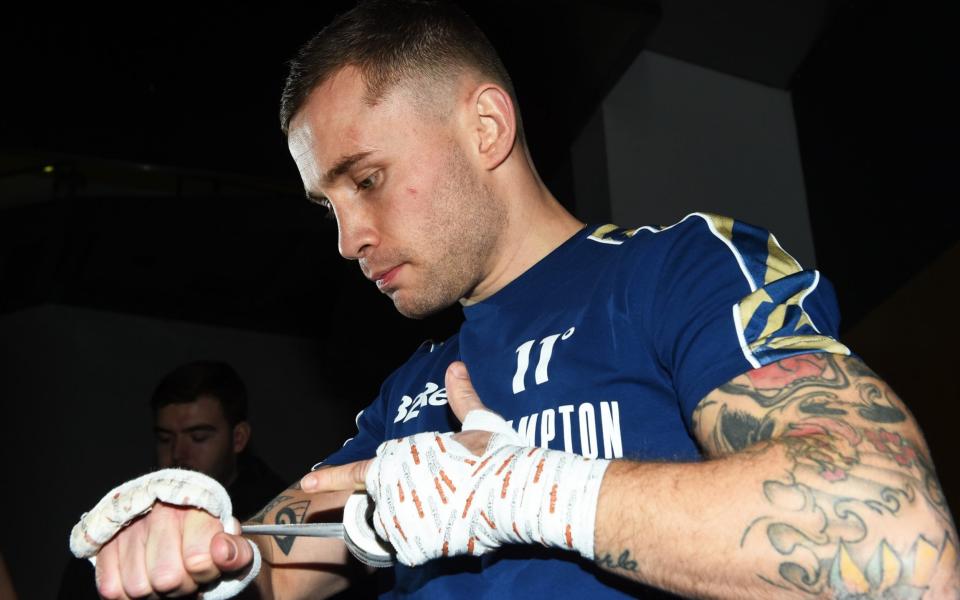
x=188, y=382
x=391, y=41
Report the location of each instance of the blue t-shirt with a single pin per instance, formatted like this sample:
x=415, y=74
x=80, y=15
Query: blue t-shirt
x=604, y=348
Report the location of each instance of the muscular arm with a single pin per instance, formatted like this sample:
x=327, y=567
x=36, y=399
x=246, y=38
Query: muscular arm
x=302, y=567
x=818, y=485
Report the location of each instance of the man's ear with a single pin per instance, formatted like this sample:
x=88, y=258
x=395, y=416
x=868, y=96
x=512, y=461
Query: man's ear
x=496, y=123
x=241, y=436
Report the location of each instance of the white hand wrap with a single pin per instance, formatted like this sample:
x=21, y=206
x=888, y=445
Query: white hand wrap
x=435, y=498
x=136, y=497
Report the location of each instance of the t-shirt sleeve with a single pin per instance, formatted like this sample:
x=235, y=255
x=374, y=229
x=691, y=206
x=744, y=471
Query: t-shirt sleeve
x=727, y=299
x=370, y=434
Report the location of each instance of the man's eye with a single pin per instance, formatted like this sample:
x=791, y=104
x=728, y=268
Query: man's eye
x=325, y=203
x=366, y=183
x=200, y=438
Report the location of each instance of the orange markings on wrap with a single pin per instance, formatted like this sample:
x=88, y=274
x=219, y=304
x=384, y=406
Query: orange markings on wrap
x=506, y=484
x=416, y=501
x=400, y=529
x=400, y=491
x=470, y=545
x=553, y=498
x=443, y=497
x=536, y=476
x=440, y=443
x=532, y=452
x=416, y=455
x=466, y=506
x=470, y=461
x=569, y=536
x=515, y=530
x=482, y=465
x=504, y=465
x=446, y=548
x=487, y=519
x=447, y=481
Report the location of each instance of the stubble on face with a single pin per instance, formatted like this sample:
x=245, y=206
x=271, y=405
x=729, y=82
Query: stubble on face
x=461, y=236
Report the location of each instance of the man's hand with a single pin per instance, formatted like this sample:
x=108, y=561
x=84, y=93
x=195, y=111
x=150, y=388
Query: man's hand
x=163, y=533
x=172, y=550
x=442, y=494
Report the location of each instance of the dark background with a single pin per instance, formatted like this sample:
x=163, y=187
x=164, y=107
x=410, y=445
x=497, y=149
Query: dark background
x=143, y=175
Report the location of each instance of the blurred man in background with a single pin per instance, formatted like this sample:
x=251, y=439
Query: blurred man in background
x=199, y=423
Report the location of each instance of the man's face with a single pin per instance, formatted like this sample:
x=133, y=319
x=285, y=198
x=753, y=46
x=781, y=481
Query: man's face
x=410, y=206
x=196, y=435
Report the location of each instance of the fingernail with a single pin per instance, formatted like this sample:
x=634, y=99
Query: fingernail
x=458, y=370
x=231, y=551
x=308, y=482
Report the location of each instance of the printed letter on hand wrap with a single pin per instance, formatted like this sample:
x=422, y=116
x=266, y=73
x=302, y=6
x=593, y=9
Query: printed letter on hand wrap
x=435, y=498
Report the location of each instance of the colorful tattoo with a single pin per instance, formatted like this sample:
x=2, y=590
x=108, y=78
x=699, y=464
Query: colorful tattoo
x=856, y=466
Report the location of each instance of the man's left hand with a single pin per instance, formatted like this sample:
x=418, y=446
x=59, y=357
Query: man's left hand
x=444, y=494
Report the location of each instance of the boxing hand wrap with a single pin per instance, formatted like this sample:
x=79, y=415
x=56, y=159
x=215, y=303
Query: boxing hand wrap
x=180, y=487
x=434, y=498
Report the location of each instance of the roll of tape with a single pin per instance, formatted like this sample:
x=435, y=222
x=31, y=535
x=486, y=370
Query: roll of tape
x=359, y=535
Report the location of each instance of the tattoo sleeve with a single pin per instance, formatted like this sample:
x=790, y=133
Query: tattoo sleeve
x=858, y=512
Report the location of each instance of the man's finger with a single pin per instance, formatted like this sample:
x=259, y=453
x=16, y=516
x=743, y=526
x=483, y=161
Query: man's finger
x=349, y=477
x=162, y=552
x=230, y=552
x=133, y=572
x=460, y=393
x=199, y=527
x=108, y=580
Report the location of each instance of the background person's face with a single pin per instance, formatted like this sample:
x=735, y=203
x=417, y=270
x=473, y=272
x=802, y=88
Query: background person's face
x=196, y=436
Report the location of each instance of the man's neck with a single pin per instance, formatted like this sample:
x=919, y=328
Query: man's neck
x=537, y=224
x=230, y=477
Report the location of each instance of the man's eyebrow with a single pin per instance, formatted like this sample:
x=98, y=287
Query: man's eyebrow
x=195, y=428
x=198, y=428
x=343, y=165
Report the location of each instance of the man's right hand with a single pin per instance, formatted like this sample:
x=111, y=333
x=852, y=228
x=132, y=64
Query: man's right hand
x=171, y=550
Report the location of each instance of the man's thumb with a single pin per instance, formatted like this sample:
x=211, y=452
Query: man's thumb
x=460, y=393
x=230, y=552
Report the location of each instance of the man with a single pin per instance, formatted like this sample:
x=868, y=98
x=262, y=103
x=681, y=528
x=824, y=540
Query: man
x=665, y=347
x=200, y=423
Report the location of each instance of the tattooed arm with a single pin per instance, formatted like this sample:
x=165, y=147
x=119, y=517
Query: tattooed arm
x=302, y=567
x=819, y=485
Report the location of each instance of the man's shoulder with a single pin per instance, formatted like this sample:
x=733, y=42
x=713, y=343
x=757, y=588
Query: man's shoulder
x=646, y=247
x=695, y=227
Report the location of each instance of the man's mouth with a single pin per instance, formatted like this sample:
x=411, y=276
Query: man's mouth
x=383, y=278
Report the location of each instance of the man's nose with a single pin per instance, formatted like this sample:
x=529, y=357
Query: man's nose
x=357, y=233
x=179, y=450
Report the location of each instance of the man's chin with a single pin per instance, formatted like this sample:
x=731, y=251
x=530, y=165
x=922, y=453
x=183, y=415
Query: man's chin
x=415, y=308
